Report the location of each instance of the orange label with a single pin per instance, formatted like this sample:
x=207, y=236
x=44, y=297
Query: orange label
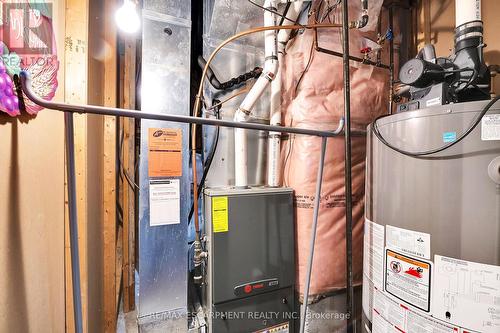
x=165, y=152
x=408, y=260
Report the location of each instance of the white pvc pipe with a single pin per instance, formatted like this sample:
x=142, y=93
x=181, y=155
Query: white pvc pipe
x=467, y=11
x=274, y=143
x=244, y=111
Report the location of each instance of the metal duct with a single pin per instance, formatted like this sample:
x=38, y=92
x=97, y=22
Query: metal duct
x=162, y=271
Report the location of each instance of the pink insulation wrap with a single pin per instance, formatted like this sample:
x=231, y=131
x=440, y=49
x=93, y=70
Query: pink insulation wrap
x=317, y=102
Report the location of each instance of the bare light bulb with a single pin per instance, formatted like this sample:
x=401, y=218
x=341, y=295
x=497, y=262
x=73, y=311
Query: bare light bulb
x=127, y=18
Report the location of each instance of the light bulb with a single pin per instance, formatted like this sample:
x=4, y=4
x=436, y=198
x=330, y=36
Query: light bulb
x=127, y=18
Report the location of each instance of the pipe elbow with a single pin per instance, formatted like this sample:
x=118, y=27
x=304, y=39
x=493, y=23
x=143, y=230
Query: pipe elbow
x=241, y=115
x=271, y=69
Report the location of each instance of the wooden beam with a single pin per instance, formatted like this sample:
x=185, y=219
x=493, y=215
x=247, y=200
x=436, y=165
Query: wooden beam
x=76, y=54
x=109, y=169
x=128, y=159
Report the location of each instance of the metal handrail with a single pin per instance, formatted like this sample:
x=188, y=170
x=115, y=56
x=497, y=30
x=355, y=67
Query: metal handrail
x=108, y=111
x=70, y=109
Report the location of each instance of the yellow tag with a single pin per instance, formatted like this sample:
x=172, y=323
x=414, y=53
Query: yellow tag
x=219, y=214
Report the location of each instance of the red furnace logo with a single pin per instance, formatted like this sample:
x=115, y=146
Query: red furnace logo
x=26, y=29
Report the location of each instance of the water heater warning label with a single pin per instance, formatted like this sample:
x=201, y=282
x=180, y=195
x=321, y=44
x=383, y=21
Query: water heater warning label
x=408, y=279
x=490, y=127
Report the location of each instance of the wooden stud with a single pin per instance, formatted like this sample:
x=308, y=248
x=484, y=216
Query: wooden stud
x=76, y=54
x=128, y=195
x=109, y=169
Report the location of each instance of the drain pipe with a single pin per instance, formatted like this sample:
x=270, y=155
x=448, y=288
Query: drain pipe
x=274, y=141
x=244, y=111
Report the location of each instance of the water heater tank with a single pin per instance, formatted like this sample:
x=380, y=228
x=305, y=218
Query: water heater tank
x=432, y=228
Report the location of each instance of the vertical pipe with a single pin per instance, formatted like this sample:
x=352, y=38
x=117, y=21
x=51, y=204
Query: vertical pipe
x=391, y=61
x=73, y=222
x=245, y=110
x=467, y=11
x=319, y=181
x=348, y=180
x=274, y=142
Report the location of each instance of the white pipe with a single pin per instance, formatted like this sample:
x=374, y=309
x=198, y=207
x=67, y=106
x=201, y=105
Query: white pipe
x=467, y=11
x=274, y=143
x=244, y=111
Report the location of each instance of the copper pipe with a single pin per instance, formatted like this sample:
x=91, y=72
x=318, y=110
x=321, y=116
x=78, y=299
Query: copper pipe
x=199, y=97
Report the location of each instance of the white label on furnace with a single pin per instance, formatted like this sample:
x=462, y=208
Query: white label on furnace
x=390, y=310
x=408, y=279
x=416, y=322
x=373, y=253
x=409, y=242
x=490, y=127
x=164, y=202
x=467, y=294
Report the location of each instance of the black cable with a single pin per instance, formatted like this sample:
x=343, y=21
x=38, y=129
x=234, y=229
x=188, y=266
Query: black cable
x=285, y=12
x=306, y=69
x=232, y=83
x=451, y=71
x=474, y=124
x=276, y=13
x=210, y=158
x=329, y=9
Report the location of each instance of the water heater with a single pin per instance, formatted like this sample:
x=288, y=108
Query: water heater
x=432, y=229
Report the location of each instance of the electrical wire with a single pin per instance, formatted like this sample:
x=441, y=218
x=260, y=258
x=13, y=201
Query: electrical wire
x=213, y=150
x=474, y=123
x=276, y=13
x=220, y=103
x=306, y=69
x=329, y=9
x=285, y=12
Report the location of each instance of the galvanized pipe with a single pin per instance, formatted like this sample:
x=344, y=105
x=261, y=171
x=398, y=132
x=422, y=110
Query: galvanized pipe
x=73, y=221
x=348, y=176
x=107, y=111
x=317, y=201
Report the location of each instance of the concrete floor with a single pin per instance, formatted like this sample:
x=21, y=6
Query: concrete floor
x=329, y=314
x=324, y=316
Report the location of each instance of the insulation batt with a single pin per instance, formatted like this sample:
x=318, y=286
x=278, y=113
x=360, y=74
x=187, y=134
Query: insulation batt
x=318, y=103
